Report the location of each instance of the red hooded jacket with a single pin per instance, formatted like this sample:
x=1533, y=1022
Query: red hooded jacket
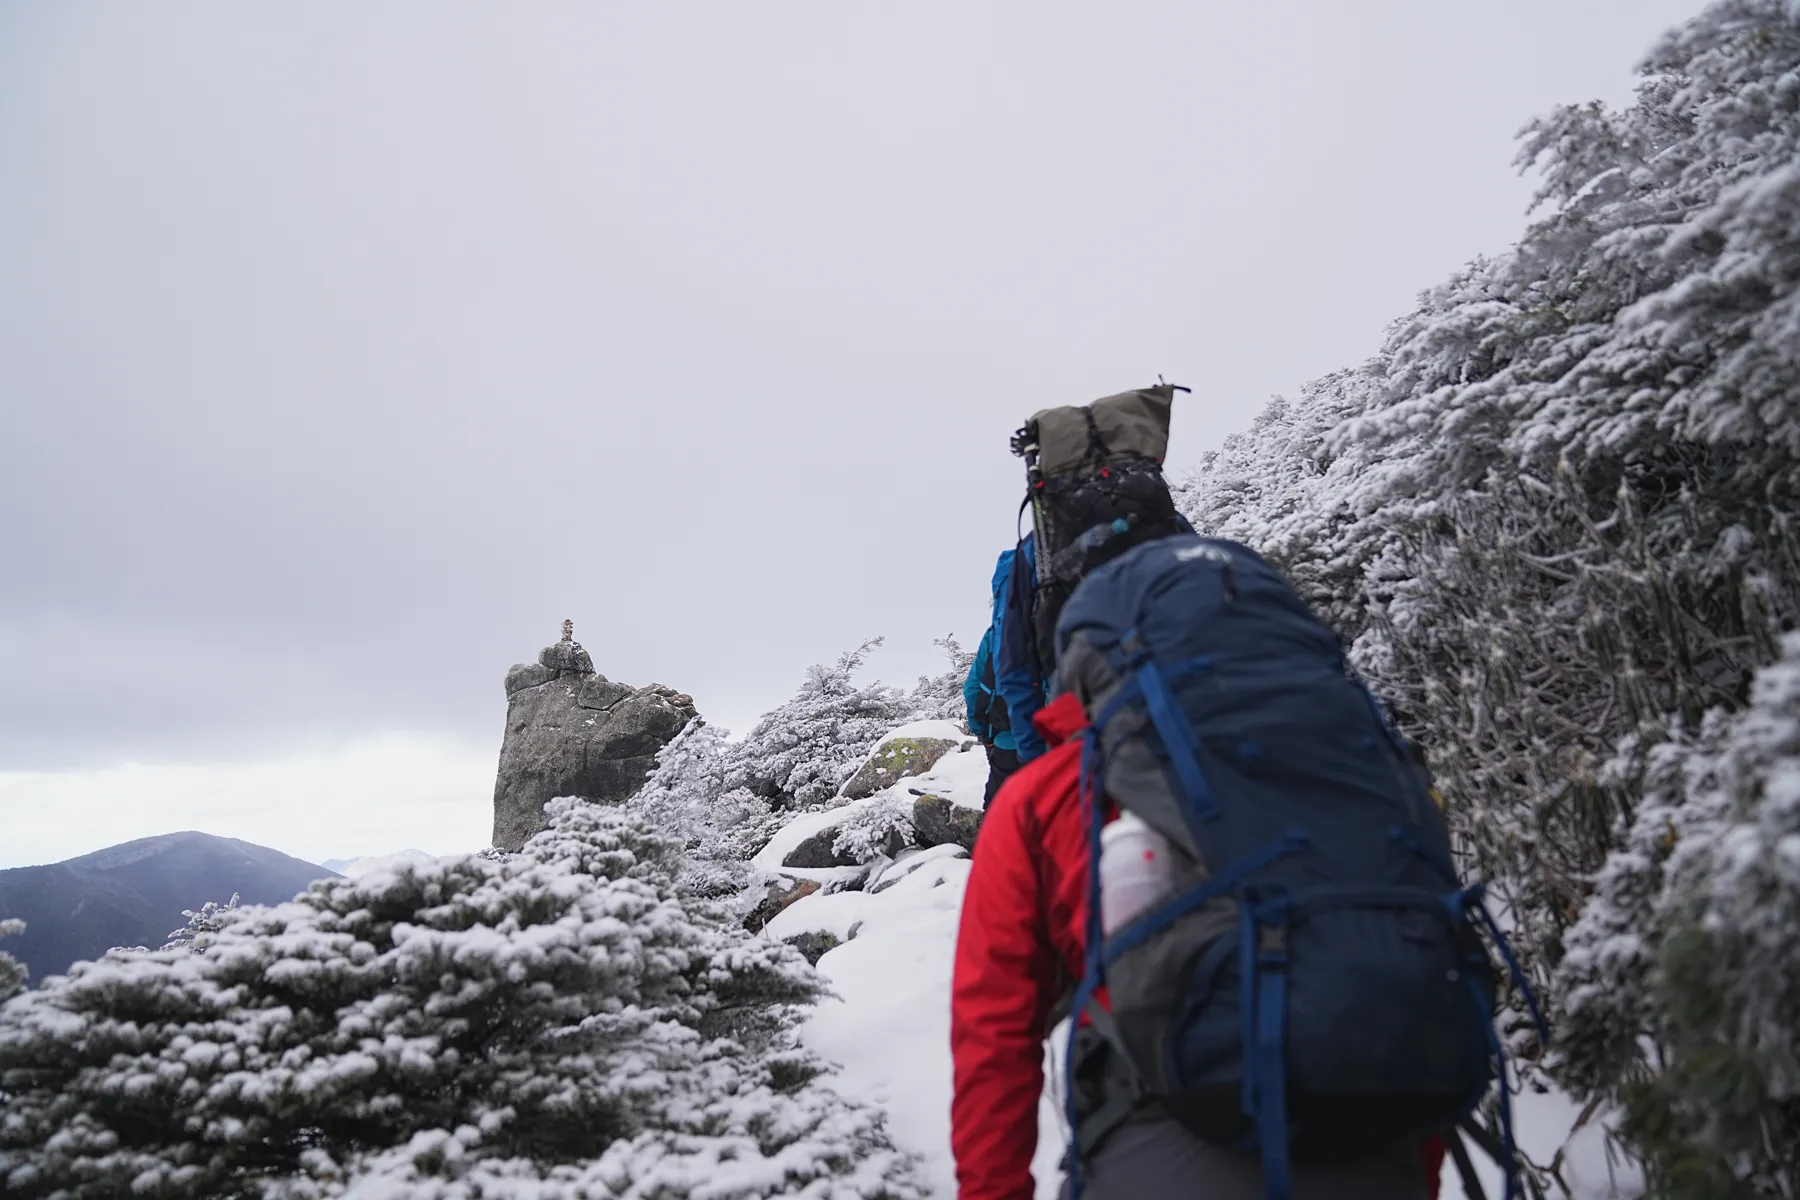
x=1018, y=947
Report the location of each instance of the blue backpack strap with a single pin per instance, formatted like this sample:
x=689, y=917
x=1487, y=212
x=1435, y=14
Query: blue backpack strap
x=1094, y=967
x=1469, y=905
x=1265, y=1034
x=1231, y=879
x=1151, y=681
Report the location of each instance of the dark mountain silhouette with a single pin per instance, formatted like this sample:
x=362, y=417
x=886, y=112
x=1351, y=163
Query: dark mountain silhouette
x=133, y=894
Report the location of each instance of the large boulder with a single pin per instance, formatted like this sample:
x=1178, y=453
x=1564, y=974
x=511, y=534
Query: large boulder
x=897, y=757
x=779, y=899
x=937, y=822
x=571, y=731
x=820, y=850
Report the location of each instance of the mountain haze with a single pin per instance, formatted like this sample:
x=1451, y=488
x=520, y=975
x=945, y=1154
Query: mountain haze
x=133, y=894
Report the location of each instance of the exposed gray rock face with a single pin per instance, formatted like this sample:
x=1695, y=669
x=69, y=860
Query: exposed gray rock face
x=817, y=850
x=777, y=900
x=571, y=731
x=937, y=822
x=813, y=945
x=896, y=758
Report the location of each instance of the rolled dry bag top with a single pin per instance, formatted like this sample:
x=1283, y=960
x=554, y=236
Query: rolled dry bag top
x=1131, y=424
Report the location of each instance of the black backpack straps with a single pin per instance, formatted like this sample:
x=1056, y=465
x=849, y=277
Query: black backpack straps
x=1098, y=452
x=1122, y=1090
x=1459, y=1154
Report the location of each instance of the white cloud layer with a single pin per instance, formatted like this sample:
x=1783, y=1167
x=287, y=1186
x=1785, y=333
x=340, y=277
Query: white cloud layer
x=368, y=796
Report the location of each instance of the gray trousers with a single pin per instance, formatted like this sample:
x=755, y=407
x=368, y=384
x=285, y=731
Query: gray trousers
x=1159, y=1160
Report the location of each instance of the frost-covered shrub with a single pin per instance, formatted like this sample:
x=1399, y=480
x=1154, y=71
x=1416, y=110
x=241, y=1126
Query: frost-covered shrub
x=557, y=1024
x=12, y=971
x=875, y=827
x=799, y=755
x=1554, y=517
x=1682, y=980
x=208, y=918
x=725, y=800
x=720, y=826
x=940, y=697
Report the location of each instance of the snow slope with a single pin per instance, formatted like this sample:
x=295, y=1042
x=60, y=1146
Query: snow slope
x=890, y=1024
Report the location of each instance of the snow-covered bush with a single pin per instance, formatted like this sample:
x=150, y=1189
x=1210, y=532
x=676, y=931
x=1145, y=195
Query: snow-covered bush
x=721, y=827
x=12, y=971
x=800, y=754
x=560, y=1023
x=725, y=800
x=1682, y=980
x=940, y=697
x=875, y=826
x=1554, y=519
x=208, y=918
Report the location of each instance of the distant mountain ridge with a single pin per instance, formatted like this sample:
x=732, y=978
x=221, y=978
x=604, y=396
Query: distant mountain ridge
x=133, y=894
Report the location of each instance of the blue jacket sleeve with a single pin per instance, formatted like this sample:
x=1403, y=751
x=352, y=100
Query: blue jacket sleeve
x=972, y=686
x=1015, y=678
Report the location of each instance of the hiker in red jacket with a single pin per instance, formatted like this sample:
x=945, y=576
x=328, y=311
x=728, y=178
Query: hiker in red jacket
x=1019, y=950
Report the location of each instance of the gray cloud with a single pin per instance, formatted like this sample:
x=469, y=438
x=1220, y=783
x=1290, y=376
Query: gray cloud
x=345, y=351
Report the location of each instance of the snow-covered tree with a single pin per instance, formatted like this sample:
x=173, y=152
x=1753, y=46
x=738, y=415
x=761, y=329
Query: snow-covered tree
x=873, y=829
x=12, y=971
x=1554, y=520
x=939, y=697
x=208, y=918
x=558, y=1024
x=720, y=826
x=725, y=800
x=801, y=753
x=1682, y=980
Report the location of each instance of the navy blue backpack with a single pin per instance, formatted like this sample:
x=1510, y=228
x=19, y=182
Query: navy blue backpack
x=1316, y=986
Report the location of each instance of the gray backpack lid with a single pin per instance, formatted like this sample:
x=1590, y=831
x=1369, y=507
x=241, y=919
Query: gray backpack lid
x=1131, y=424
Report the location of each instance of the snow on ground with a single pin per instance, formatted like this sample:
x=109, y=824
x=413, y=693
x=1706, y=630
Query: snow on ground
x=1543, y=1123
x=889, y=1025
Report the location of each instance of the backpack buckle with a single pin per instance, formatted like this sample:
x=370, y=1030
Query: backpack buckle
x=1133, y=650
x=1271, y=947
x=1271, y=918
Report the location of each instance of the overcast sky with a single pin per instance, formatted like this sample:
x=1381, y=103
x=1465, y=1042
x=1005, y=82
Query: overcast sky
x=347, y=349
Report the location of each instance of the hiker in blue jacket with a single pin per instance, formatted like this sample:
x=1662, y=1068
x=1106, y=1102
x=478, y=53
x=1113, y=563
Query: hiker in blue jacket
x=1021, y=679
x=986, y=709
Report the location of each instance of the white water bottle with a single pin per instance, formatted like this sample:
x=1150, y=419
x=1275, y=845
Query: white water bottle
x=1136, y=870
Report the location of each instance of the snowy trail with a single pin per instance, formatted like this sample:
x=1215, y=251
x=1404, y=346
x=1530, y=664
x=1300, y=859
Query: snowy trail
x=890, y=1024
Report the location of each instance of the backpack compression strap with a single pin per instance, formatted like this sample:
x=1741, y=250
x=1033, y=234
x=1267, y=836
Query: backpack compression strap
x=1263, y=940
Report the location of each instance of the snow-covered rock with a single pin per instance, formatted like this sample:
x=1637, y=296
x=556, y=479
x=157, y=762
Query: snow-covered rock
x=909, y=750
x=571, y=731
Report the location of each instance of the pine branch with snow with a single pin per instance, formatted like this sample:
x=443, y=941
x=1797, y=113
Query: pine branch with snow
x=208, y=918
x=1682, y=980
x=801, y=753
x=1552, y=519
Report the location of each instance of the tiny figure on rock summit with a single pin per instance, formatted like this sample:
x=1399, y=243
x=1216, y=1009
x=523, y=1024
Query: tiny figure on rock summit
x=571, y=731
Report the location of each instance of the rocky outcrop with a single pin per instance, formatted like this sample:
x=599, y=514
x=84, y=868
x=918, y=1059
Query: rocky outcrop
x=937, y=822
x=571, y=731
x=778, y=899
x=813, y=944
x=896, y=758
x=820, y=850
